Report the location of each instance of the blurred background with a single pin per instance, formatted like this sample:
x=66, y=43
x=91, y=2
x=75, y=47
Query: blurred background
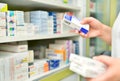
x=105, y=11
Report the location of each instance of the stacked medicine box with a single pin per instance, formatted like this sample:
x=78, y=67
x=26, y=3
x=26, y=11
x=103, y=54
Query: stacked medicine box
x=2, y=24
x=21, y=29
x=11, y=23
x=3, y=10
x=40, y=18
x=15, y=61
x=54, y=21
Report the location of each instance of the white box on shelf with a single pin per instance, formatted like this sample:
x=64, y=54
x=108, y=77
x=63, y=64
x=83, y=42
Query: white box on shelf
x=68, y=46
x=18, y=47
x=27, y=17
x=3, y=19
x=3, y=7
x=2, y=70
x=31, y=55
x=22, y=57
x=21, y=72
x=54, y=56
x=11, y=23
x=19, y=18
x=10, y=61
x=2, y=32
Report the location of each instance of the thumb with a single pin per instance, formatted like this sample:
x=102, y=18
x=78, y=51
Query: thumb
x=104, y=59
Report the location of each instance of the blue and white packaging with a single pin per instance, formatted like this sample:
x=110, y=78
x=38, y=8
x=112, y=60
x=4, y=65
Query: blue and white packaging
x=39, y=18
x=74, y=23
x=53, y=64
x=11, y=23
x=86, y=67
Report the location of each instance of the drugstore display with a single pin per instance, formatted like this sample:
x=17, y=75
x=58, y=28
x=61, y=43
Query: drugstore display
x=36, y=23
x=26, y=54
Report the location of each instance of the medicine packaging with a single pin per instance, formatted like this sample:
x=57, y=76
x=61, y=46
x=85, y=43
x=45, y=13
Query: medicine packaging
x=86, y=67
x=74, y=23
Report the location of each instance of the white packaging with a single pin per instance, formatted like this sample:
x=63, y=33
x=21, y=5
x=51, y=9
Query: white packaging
x=74, y=23
x=21, y=72
x=31, y=55
x=31, y=68
x=2, y=69
x=57, y=46
x=19, y=18
x=50, y=54
x=40, y=66
x=50, y=25
x=21, y=33
x=14, y=47
x=11, y=23
x=3, y=7
x=86, y=67
x=54, y=56
x=65, y=28
x=27, y=17
x=2, y=19
x=19, y=58
x=2, y=32
x=68, y=46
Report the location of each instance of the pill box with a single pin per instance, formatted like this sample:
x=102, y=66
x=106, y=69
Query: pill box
x=3, y=7
x=74, y=23
x=86, y=67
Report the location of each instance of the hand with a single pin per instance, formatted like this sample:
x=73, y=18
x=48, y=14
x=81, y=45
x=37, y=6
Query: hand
x=112, y=73
x=95, y=27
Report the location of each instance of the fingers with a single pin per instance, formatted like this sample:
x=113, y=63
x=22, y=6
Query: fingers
x=88, y=79
x=107, y=76
x=105, y=59
x=80, y=33
x=87, y=20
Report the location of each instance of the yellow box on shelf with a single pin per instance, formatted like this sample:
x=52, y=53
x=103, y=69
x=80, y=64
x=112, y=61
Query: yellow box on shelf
x=3, y=7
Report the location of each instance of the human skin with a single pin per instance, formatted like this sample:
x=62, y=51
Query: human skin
x=97, y=29
x=112, y=73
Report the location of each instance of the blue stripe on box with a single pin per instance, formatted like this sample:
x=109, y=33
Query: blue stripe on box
x=68, y=17
x=84, y=30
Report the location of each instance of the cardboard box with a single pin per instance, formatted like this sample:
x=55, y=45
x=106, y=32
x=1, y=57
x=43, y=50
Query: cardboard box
x=14, y=47
x=3, y=7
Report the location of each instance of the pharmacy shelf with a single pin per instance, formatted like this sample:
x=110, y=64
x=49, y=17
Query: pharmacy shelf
x=48, y=73
x=38, y=37
x=39, y=5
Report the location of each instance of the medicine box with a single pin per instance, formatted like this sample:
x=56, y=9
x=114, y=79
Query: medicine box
x=86, y=67
x=3, y=19
x=12, y=47
x=74, y=23
x=11, y=23
x=3, y=7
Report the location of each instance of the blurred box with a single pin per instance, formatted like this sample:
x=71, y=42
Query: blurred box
x=3, y=7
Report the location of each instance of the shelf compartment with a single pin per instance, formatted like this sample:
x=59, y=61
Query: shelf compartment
x=39, y=5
